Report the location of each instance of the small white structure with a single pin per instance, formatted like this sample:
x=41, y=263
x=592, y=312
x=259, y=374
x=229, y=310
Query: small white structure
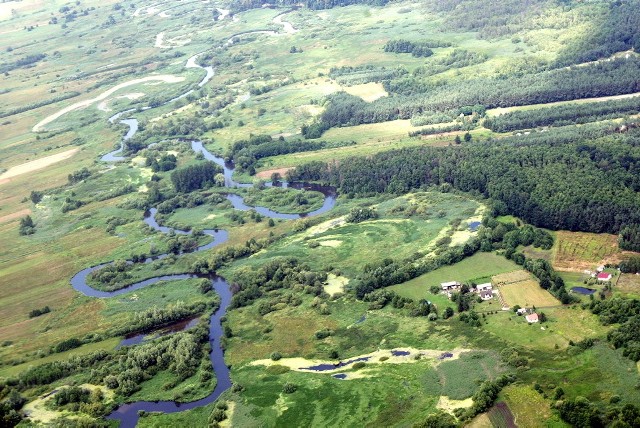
x=484, y=287
x=452, y=285
x=522, y=311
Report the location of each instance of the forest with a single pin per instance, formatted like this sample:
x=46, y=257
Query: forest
x=410, y=97
x=572, y=179
x=563, y=115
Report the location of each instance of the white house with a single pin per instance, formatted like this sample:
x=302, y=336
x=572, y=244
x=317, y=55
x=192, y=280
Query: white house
x=452, y=285
x=484, y=287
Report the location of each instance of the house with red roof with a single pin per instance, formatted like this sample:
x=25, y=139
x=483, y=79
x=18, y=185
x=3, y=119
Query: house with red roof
x=531, y=318
x=604, y=276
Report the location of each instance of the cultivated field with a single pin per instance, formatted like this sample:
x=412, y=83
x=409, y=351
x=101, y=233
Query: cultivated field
x=525, y=293
x=577, y=251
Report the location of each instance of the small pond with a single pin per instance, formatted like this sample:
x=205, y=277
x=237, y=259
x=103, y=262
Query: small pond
x=583, y=290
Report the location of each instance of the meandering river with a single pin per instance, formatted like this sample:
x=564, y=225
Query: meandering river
x=127, y=414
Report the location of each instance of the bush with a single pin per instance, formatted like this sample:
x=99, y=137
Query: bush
x=289, y=388
x=275, y=356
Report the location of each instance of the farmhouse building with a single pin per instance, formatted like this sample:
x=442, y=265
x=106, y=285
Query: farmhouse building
x=486, y=294
x=484, y=287
x=604, y=276
x=452, y=285
x=531, y=318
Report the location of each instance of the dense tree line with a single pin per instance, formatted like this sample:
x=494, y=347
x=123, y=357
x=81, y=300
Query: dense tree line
x=459, y=58
x=491, y=18
x=563, y=115
x=194, y=177
x=630, y=265
x=580, y=412
x=629, y=238
x=625, y=313
x=245, y=153
x=32, y=106
x=597, y=80
x=240, y=5
x=348, y=75
x=416, y=49
x=26, y=61
x=580, y=178
x=615, y=30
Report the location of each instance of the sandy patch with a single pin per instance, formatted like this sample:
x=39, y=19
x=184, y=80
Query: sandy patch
x=151, y=10
x=367, y=91
x=15, y=215
x=267, y=173
x=103, y=106
x=170, y=43
x=310, y=110
x=323, y=227
x=298, y=363
x=333, y=243
x=36, y=410
x=37, y=164
x=335, y=284
x=211, y=216
x=166, y=78
x=281, y=404
x=231, y=406
x=449, y=405
x=288, y=28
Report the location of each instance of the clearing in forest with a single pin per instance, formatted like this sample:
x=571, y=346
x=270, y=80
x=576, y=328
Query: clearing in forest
x=577, y=251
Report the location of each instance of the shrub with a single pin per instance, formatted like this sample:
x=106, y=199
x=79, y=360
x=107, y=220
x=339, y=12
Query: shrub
x=289, y=388
x=275, y=356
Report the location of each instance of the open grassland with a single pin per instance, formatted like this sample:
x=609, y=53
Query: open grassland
x=478, y=268
x=578, y=251
x=628, y=285
x=106, y=345
x=528, y=407
x=597, y=374
x=564, y=324
x=342, y=246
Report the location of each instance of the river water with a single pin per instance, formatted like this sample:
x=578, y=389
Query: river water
x=127, y=414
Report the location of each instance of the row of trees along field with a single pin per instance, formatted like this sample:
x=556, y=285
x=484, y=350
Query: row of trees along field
x=245, y=153
x=408, y=100
x=240, y=5
x=576, y=178
x=563, y=115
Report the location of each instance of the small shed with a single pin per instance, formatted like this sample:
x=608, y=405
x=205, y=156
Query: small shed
x=451, y=285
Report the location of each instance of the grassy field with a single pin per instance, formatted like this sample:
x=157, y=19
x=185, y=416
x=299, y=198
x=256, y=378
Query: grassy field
x=519, y=288
x=564, y=325
x=528, y=406
x=629, y=285
x=478, y=268
x=261, y=87
x=341, y=245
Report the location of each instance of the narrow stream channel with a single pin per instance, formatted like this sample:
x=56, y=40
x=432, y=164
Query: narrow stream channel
x=127, y=414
